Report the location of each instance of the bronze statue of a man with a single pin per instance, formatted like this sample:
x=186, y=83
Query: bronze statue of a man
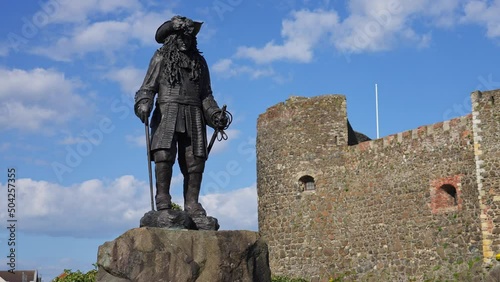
x=179, y=74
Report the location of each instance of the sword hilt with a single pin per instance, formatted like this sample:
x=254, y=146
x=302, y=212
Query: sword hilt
x=219, y=128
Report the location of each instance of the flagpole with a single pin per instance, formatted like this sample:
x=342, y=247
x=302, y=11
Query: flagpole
x=376, y=108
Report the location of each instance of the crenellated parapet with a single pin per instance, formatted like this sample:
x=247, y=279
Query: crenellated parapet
x=454, y=130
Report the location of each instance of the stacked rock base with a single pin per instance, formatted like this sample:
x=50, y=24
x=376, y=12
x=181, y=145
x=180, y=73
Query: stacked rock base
x=158, y=254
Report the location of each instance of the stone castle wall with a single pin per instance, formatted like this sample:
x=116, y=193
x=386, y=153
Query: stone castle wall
x=486, y=124
x=397, y=208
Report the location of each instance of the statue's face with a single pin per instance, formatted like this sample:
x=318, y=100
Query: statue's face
x=185, y=42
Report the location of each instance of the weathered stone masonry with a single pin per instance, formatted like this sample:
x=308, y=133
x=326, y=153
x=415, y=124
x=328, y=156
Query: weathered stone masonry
x=486, y=125
x=421, y=203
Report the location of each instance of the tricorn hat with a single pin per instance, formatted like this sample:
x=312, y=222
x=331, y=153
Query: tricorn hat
x=177, y=24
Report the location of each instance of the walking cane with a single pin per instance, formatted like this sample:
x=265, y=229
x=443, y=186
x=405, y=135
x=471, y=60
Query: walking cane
x=148, y=148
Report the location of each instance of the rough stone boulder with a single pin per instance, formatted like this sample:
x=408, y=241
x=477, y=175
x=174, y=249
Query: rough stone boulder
x=150, y=254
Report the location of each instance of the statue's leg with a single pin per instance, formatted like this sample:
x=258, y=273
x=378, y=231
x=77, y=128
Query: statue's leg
x=192, y=168
x=164, y=160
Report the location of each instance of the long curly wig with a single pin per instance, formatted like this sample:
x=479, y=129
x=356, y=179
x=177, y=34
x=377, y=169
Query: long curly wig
x=174, y=60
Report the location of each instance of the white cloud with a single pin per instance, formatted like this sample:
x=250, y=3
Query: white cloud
x=223, y=66
x=381, y=25
x=93, y=208
x=484, y=13
x=226, y=68
x=37, y=99
x=106, y=36
x=103, y=37
x=370, y=26
x=129, y=78
x=235, y=210
x=98, y=208
x=445, y=13
x=143, y=25
x=68, y=11
x=301, y=34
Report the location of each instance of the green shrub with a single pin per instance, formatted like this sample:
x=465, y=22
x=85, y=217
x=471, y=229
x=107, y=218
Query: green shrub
x=176, y=207
x=78, y=276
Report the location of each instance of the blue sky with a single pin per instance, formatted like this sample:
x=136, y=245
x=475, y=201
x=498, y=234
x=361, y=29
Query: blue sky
x=69, y=70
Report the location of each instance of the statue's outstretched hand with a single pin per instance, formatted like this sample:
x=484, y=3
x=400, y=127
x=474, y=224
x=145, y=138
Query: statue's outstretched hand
x=142, y=112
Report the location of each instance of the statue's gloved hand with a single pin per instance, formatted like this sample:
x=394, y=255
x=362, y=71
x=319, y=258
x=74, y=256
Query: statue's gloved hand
x=142, y=111
x=220, y=120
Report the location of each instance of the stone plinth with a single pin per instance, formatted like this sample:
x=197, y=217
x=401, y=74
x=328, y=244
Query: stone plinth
x=157, y=254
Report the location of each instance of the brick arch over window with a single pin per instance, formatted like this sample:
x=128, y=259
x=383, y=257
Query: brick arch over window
x=307, y=183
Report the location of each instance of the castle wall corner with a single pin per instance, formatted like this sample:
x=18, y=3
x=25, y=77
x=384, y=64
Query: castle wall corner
x=486, y=127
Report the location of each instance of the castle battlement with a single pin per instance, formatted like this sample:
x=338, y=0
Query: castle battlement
x=415, y=205
x=457, y=129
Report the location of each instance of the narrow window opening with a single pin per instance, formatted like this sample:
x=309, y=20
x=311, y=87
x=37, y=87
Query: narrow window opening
x=450, y=193
x=445, y=194
x=307, y=183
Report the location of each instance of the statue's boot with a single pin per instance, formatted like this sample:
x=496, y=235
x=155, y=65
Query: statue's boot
x=163, y=172
x=192, y=186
